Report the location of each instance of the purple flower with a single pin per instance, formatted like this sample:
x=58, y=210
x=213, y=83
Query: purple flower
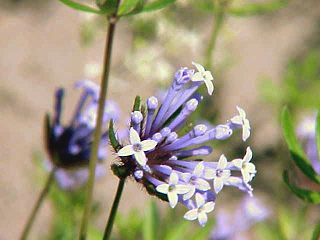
x=68, y=145
x=307, y=133
x=168, y=161
x=233, y=224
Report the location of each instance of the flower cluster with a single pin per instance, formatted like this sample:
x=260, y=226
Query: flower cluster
x=307, y=133
x=168, y=161
x=69, y=145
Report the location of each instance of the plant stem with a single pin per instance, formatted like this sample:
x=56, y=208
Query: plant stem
x=97, y=132
x=219, y=13
x=38, y=204
x=116, y=201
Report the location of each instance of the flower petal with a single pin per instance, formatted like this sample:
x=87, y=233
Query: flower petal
x=202, y=184
x=174, y=178
x=197, y=77
x=200, y=201
x=242, y=113
x=173, y=198
x=251, y=168
x=208, y=75
x=222, y=164
x=126, y=151
x=134, y=136
x=237, y=162
x=246, y=176
x=182, y=189
x=209, y=173
x=248, y=155
x=185, y=177
x=217, y=184
x=141, y=158
x=237, y=120
x=189, y=194
x=199, y=67
x=208, y=207
x=148, y=145
x=198, y=170
x=202, y=218
x=191, y=214
x=163, y=188
x=209, y=86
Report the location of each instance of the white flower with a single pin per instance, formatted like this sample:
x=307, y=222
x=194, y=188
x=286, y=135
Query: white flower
x=173, y=188
x=203, y=75
x=248, y=169
x=201, y=211
x=244, y=122
x=137, y=148
x=220, y=175
x=195, y=181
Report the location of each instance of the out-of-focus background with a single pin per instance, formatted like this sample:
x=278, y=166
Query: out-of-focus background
x=261, y=61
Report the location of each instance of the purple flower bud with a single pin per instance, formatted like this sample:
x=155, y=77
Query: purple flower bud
x=152, y=103
x=136, y=117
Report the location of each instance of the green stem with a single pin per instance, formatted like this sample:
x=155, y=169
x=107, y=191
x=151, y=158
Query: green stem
x=37, y=205
x=219, y=13
x=116, y=201
x=97, y=132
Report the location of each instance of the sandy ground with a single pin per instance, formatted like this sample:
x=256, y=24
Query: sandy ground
x=41, y=50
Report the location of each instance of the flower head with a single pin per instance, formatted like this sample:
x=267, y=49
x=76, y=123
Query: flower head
x=69, y=144
x=200, y=211
x=248, y=169
x=203, y=75
x=168, y=160
x=242, y=120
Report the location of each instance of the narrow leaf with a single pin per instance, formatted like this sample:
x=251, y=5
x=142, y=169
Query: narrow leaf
x=112, y=137
x=81, y=7
x=252, y=9
x=137, y=103
x=295, y=148
x=304, y=194
x=130, y=7
x=156, y=5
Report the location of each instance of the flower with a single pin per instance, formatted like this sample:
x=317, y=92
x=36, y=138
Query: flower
x=203, y=75
x=248, y=169
x=200, y=212
x=169, y=165
x=242, y=121
x=137, y=147
x=68, y=145
x=307, y=134
x=172, y=189
x=220, y=175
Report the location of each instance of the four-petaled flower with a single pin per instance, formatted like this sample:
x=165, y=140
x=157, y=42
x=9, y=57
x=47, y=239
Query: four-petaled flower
x=173, y=188
x=219, y=175
x=203, y=75
x=248, y=169
x=242, y=120
x=195, y=181
x=200, y=212
x=137, y=148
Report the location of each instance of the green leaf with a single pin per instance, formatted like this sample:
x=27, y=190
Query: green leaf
x=107, y=6
x=252, y=9
x=151, y=222
x=316, y=232
x=156, y=5
x=81, y=7
x=304, y=194
x=130, y=7
x=295, y=148
x=112, y=137
x=318, y=133
x=137, y=103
